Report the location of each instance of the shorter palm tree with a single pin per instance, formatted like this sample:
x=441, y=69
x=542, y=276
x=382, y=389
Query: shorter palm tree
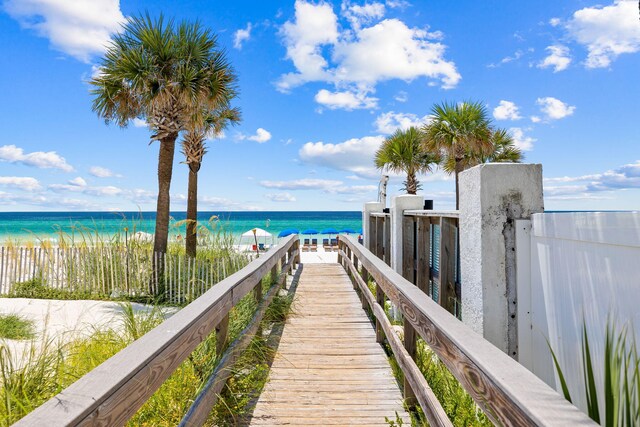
x=194, y=149
x=404, y=152
x=502, y=149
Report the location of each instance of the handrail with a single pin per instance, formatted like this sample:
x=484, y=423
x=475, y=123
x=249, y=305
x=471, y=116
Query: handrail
x=443, y=214
x=112, y=392
x=508, y=393
x=379, y=214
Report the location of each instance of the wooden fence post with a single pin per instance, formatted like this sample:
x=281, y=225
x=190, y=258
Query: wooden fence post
x=423, y=244
x=410, y=346
x=380, y=299
x=408, y=248
x=222, y=330
x=447, y=268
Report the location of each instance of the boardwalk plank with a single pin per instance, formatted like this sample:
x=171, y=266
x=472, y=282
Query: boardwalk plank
x=328, y=369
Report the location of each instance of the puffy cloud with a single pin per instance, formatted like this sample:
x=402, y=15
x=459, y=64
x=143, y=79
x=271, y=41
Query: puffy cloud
x=354, y=155
x=100, y=172
x=223, y=204
x=506, y=110
x=76, y=186
x=139, y=123
x=554, y=109
x=535, y=119
x=280, y=197
x=554, y=22
x=360, y=56
x=388, y=123
x=20, y=182
x=345, y=100
x=558, y=58
x=523, y=142
x=78, y=181
x=80, y=28
x=401, y=96
x=261, y=136
x=39, y=159
x=606, y=32
x=241, y=36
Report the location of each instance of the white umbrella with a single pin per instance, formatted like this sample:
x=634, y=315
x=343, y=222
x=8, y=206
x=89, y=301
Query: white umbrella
x=257, y=232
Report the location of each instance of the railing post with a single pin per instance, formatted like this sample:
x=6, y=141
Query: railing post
x=367, y=230
x=222, y=330
x=340, y=248
x=408, y=248
x=492, y=197
x=447, y=290
x=289, y=259
x=423, y=242
x=380, y=299
x=410, y=345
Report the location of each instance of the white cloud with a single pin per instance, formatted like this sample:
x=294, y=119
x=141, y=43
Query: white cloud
x=139, y=123
x=20, y=182
x=558, y=58
x=260, y=137
x=80, y=28
x=535, y=119
x=401, y=96
x=360, y=56
x=39, y=159
x=75, y=187
x=506, y=110
x=523, y=142
x=78, y=181
x=354, y=155
x=326, y=185
x=554, y=109
x=554, y=22
x=100, y=172
x=388, y=123
x=280, y=197
x=606, y=32
x=241, y=36
x=224, y=204
x=345, y=100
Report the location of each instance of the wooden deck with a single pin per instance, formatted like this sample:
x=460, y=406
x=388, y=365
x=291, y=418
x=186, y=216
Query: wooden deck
x=328, y=369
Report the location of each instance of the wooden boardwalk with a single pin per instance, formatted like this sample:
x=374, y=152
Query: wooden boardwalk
x=328, y=369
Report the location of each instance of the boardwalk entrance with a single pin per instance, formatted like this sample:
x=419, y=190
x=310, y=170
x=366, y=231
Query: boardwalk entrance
x=328, y=369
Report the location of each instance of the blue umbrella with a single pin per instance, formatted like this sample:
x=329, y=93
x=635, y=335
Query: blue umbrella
x=310, y=231
x=288, y=232
x=329, y=231
x=348, y=230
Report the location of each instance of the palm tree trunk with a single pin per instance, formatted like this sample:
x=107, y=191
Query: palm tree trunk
x=412, y=183
x=458, y=169
x=191, y=239
x=165, y=170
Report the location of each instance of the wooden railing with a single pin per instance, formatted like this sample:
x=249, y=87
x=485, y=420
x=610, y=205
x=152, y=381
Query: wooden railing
x=113, y=392
x=507, y=392
x=430, y=255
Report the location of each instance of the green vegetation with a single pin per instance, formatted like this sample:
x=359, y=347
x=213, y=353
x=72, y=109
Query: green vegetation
x=465, y=136
x=404, y=152
x=620, y=390
x=49, y=367
x=15, y=327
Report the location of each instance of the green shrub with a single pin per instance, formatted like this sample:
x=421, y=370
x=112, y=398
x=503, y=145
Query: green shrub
x=15, y=327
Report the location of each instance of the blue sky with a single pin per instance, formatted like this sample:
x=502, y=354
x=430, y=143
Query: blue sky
x=321, y=85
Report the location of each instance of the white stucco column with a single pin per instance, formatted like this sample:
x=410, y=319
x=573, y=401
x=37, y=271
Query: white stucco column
x=492, y=197
x=368, y=208
x=398, y=205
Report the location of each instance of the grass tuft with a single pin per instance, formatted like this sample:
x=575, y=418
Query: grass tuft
x=14, y=327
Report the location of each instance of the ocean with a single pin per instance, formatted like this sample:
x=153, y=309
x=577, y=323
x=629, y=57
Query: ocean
x=36, y=226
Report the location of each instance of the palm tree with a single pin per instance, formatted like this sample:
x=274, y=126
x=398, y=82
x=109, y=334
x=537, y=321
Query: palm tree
x=461, y=132
x=502, y=150
x=194, y=149
x=163, y=73
x=404, y=152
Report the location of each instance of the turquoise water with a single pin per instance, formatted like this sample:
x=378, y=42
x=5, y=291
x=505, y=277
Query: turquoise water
x=34, y=226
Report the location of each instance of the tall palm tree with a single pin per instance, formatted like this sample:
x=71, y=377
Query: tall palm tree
x=502, y=150
x=161, y=72
x=404, y=152
x=194, y=149
x=460, y=132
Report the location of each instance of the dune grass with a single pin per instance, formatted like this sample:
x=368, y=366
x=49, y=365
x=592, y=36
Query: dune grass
x=14, y=327
x=50, y=366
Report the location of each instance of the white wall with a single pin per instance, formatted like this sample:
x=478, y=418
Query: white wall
x=583, y=266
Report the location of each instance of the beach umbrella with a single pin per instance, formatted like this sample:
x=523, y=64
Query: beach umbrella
x=257, y=232
x=348, y=230
x=330, y=231
x=288, y=232
x=310, y=231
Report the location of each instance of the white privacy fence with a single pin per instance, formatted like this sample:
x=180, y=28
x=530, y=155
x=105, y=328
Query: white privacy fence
x=574, y=269
x=112, y=271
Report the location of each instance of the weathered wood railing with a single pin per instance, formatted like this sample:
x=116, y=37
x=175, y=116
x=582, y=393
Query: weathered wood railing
x=380, y=235
x=113, y=392
x=430, y=255
x=508, y=393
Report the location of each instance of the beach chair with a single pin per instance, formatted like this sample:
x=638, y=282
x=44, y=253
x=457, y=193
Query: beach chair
x=334, y=245
x=305, y=245
x=314, y=245
x=326, y=245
